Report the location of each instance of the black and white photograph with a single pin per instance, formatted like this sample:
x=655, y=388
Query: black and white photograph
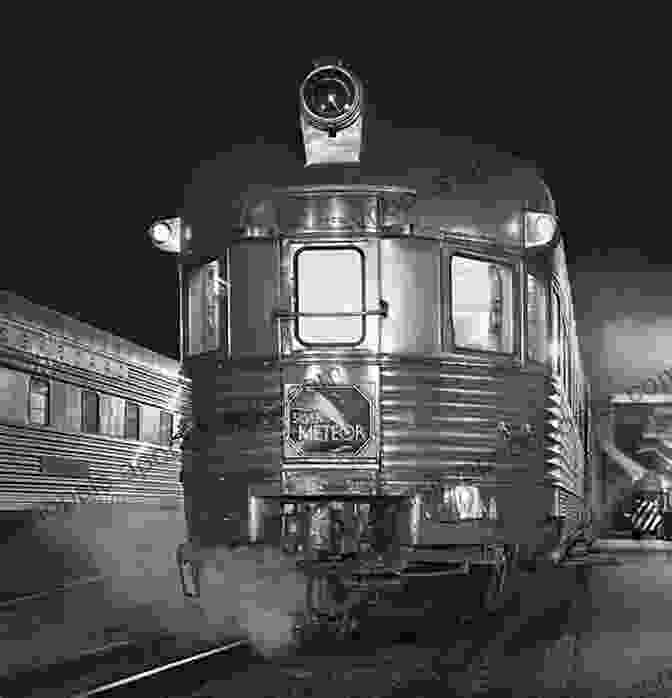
x=336, y=356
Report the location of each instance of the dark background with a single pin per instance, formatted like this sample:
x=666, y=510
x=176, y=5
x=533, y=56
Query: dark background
x=112, y=115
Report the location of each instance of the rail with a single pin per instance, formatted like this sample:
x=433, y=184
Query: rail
x=148, y=673
x=83, y=581
x=151, y=667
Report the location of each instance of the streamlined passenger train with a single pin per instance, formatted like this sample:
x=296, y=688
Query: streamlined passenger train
x=387, y=384
x=89, y=485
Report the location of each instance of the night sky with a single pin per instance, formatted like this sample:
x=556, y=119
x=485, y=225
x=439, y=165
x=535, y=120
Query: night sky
x=114, y=124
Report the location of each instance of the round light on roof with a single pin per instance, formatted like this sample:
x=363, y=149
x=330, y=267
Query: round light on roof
x=331, y=98
x=160, y=232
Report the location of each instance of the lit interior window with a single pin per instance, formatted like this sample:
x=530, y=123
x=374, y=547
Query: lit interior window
x=330, y=281
x=482, y=305
x=536, y=319
x=39, y=402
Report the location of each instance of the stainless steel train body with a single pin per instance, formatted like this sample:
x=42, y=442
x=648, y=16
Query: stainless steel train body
x=386, y=375
x=89, y=481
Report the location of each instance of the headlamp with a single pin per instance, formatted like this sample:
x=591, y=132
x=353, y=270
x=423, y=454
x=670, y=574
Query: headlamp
x=539, y=228
x=331, y=98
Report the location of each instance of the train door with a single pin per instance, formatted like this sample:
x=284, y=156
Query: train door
x=330, y=390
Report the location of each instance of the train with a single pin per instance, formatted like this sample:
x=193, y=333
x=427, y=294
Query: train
x=387, y=385
x=90, y=495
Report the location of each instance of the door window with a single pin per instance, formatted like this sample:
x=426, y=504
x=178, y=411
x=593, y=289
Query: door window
x=330, y=280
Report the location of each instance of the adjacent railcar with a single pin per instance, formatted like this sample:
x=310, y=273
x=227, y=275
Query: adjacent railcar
x=89, y=483
x=386, y=375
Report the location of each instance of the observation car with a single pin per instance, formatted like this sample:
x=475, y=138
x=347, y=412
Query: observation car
x=89, y=484
x=386, y=376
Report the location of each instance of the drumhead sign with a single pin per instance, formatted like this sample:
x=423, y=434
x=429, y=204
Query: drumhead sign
x=334, y=420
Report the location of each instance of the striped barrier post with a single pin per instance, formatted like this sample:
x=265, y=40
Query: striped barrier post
x=647, y=517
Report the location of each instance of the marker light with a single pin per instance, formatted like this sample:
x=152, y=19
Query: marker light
x=539, y=228
x=167, y=234
x=161, y=232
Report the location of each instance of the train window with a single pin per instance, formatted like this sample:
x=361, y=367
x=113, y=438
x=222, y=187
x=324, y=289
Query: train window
x=566, y=360
x=482, y=305
x=132, y=421
x=166, y=428
x=38, y=405
x=536, y=319
x=90, y=412
x=330, y=280
x=562, y=363
x=205, y=294
x=557, y=334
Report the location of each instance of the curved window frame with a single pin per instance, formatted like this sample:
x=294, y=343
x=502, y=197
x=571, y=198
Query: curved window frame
x=515, y=294
x=297, y=281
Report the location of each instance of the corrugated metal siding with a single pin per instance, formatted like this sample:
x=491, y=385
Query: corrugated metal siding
x=444, y=417
x=570, y=505
x=66, y=384
x=564, y=453
x=142, y=385
x=118, y=470
x=36, y=318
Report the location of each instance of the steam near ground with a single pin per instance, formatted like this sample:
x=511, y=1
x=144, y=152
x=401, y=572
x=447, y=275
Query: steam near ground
x=252, y=592
x=623, y=316
x=260, y=589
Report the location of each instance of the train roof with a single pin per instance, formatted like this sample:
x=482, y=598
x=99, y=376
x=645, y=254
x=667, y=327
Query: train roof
x=22, y=310
x=457, y=181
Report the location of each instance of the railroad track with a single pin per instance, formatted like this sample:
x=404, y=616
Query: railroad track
x=153, y=669
x=128, y=669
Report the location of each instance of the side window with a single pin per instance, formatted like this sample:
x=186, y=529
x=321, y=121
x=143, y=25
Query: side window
x=567, y=363
x=482, y=305
x=13, y=396
x=90, y=412
x=564, y=357
x=556, y=320
x=206, y=297
x=165, y=428
x=329, y=281
x=563, y=361
x=38, y=405
x=536, y=318
x=132, y=421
